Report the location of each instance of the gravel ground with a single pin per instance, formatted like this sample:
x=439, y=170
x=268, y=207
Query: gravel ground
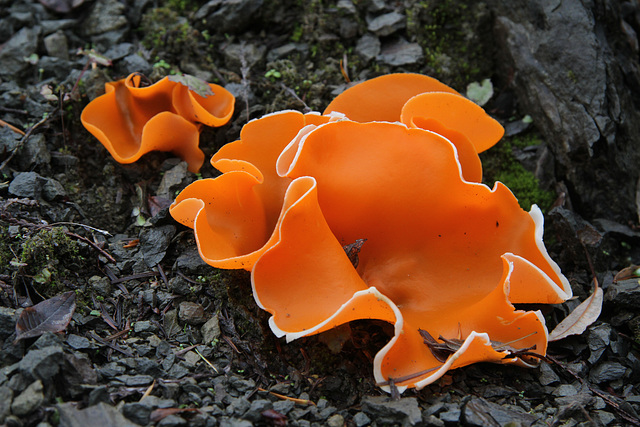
x=157, y=337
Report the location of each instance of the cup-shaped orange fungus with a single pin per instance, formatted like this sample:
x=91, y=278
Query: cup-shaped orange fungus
x=441, y=256
x=131, y=121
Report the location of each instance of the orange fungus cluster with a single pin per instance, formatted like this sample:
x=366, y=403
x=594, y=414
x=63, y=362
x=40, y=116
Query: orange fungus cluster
x=374, y=210
x=131, y=120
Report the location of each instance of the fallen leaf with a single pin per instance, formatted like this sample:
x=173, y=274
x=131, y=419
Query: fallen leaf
x=580, y=318
x=161, y=413
x=627, y=273
x=195, y=84
x=52, y=315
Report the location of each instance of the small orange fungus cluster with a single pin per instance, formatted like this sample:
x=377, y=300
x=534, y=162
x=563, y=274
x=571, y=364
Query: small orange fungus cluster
x=375, y=210
x=130, y=120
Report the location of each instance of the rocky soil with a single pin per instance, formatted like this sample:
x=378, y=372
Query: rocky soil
x=157, y=337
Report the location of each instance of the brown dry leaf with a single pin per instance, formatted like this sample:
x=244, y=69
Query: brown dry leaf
x=161, y=413
x=627, y=273
x=52, y=315
x=580, y=318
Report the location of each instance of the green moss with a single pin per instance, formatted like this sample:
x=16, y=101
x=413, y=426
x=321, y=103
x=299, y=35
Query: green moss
x=499, y=164
x=164, y=29
x=47, y=256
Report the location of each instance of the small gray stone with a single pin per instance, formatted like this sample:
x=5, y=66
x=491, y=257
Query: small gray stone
x=21, y=45
x=145, y=326
x=336, y=420
x=135, y=380
x=106, y=414
x=599, y=339
x=228, y=16
x=250, y=53
x=387, y=24
x=77, y=342
x=101, y=285
x=57, y=45
x=405, y=409
x=7, y=322
x=120, y=51
x=258, y=406
x=105, y=16
x=137, y=412
x=547, y=375
x=172, y=421
x=178, y=285
x=565, y=390
x=368, y=47
x=607, y=371
x=287, y=50
x=34, y=153
x=192, y=313
x=6, y=397
x=401, y=52
x=30, y=399
x=210, y=330
x=154, y=243
x=136, y=63
x=52, y=190
x=346, y=6
x=451, y=416
x=625, y=293
x=172, y=180
x=42, y=364
x=361, y=419
x=27, y=184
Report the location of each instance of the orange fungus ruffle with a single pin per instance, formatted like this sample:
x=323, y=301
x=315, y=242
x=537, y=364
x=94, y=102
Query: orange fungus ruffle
x=130, y=120
x=394, y=161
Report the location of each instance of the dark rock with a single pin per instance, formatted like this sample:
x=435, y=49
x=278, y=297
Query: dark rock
x=368, y=47
x=361, y=419
x=172, y=180
x=111, y=369
x=192, y=313
x=172, y=421
x=100, y=284
x=77, y=342
x=286, y=50
x=107, y=415
x=98, y=395
x=400, y=52
x=191, y=263
x=135, y=63
x=387, y=24
x=154, y=243
x=7, y=322
x=480, y=412
x=57, y=45
x=135, y=380
x=598, y=339
x=21, y=45
x=42, y=364
x=34, y=153
x=29, y=400
x=405, y=410
x=607, y=371
x=625, y=293
x=574, y=232
x=6, y=398
x=210, y=330
x=120, y=51
x=228, y=16
x=547, y=375
x=582, y=100
x=105, y=16
x=145, y=326
x=34, y=186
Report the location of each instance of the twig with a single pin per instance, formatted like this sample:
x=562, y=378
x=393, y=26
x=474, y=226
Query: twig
x=12, y=127
x=110, y=345
x=295, y=95
x=89, y=242
x=293, y=399
x=77, y=224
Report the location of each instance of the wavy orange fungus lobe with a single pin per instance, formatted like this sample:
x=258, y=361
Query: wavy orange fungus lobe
x=130, y=120
x=443, y=253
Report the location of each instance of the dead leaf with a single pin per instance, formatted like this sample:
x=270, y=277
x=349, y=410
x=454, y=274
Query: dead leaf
x=580, y=318
x=630, y=272
x=195, y=84
x=52, y=315
x=161, y=413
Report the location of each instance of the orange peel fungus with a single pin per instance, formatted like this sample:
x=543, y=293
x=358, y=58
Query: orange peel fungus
x=130, y=120
x=394, y=161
